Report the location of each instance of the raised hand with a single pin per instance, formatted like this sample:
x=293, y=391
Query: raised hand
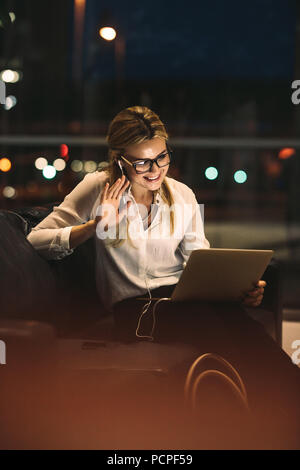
x=109, y=203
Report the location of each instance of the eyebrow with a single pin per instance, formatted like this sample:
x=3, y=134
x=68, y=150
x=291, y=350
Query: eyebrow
x=143, y=159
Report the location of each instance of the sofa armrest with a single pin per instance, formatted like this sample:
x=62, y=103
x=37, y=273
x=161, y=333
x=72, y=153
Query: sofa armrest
x=28, y=287
x=273, y=299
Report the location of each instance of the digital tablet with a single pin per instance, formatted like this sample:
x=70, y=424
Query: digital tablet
x=218, y=274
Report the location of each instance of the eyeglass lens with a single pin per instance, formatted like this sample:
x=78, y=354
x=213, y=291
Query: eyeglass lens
x=145, y=166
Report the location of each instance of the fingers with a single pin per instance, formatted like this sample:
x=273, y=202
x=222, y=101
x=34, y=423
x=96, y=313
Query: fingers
x=125, y=186
x=258, y=289
x=254, y=297
x=260, y=283
x=104, y=193
x=111, y=196
x=118, y=187
x=113, y=191
x=252, y=302
x=257, y=301
x=256, y=292
x=115, y=188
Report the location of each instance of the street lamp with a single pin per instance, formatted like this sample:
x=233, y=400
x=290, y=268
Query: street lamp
x=109, y=33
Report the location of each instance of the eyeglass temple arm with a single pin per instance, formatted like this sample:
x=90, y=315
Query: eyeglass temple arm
x=127, y=161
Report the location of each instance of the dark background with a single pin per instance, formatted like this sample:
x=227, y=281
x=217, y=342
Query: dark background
x=219, y=75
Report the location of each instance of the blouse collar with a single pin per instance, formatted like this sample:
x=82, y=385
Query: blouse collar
x=158, y=198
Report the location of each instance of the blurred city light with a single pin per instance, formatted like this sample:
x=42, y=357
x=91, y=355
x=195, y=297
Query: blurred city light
x=40, y=163
x=211, y=173
x=9, y=191
x=108, y=33
x=5, y=164
x=76, y=165
x=240, y=176
x=90, y=166
x=103, y=165
x=12, y=16
x=59, y=164
x=286, y=153
x=9, y=76
x=49, y=172
x=10, y=102
x=64, y=150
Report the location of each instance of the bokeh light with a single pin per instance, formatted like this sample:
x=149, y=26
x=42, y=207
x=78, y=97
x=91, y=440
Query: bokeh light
x=90, y=166
x=49, y=172
x=9, y=191
x=77, y=165
x=5, y=164
x=103, y=165
x=40, y=163
x=286, y=153
x=211, y=173
x=9, y=76
x=10, y=102
x=64, y=150
x=240, y=176
x=59, y=164
x=12, y=16
x=108, y=33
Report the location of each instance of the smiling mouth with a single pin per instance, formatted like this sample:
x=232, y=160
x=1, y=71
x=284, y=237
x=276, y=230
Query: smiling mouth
x=152, y=179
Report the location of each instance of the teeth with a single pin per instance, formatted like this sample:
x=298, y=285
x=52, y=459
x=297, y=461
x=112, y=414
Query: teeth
x=156, y=177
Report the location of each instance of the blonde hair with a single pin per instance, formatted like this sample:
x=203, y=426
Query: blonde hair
x=132, y=126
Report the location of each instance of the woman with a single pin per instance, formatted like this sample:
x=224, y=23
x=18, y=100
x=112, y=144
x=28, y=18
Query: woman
x=122, y=204
x=135, y=182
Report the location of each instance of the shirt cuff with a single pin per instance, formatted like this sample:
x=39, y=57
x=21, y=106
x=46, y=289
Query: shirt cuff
x=65, y=238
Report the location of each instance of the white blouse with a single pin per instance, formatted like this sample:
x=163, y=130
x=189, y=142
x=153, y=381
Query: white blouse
x=153, y=258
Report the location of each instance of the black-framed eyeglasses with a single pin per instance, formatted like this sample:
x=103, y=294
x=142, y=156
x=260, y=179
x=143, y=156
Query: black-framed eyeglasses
x=143, y=166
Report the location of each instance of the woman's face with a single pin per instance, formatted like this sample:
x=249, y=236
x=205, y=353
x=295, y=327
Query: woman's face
x=149, y=149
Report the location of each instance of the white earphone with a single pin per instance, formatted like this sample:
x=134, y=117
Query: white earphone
x=121, y=168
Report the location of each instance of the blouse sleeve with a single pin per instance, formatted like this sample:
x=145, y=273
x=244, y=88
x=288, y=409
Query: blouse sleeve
x=194, y=236
x=51, y=236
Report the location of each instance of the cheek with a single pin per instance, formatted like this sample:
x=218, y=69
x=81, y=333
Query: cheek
x=134, y=178
x=165, y=170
